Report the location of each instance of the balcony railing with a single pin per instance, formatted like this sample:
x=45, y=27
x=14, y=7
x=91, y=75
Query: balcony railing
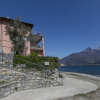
x=36, y=46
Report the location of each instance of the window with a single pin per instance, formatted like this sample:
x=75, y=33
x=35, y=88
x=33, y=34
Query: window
x=36, y=52
x=26, y=38
x=15, y=39
x=11, y=25
x=18, y=53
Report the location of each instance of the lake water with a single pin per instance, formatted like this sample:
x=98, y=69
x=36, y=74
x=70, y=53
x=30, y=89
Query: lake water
x=93, y=69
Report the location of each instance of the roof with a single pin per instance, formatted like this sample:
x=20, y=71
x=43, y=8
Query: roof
x=8, y=19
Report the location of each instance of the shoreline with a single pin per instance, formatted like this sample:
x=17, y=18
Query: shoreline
x=83, y=74
x=90, y=69
x=93, y=95
x=84, y=65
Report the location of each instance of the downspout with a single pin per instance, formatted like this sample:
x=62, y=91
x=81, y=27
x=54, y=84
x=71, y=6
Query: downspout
x=2, y=42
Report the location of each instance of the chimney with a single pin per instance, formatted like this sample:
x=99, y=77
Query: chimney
x=8, y=16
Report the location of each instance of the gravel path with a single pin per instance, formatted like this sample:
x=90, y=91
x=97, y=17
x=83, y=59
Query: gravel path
x=94, y=95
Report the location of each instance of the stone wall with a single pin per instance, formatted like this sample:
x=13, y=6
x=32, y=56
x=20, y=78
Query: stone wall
x=17, y=81
x=7, y=60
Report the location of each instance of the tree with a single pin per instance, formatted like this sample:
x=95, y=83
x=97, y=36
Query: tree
x=33, y=53
x=17, y=32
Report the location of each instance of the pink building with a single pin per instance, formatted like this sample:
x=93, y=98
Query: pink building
x=31, y=44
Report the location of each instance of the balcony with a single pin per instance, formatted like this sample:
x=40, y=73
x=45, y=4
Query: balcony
x=36, y=46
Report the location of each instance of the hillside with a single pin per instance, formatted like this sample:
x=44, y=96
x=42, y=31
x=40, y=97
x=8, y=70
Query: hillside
x=87, y=57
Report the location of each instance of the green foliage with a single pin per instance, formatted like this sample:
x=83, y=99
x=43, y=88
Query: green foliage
x=16, y=88
x=17, y=31
x=33, y=53
x=60, y=76
x=38, y=61
x=2, y=82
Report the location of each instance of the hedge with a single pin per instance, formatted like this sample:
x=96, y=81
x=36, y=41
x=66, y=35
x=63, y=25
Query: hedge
x=53, y=61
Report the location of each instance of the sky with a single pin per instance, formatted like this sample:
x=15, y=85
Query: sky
x=69, y=26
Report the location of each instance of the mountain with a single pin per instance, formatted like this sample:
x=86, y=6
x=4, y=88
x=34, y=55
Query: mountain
x=87, y=57
x=99, y=48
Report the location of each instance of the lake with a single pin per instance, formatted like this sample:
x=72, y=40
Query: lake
x=88, y=69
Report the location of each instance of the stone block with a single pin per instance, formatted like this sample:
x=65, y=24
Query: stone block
x=1, y=94
x=55, y=84
x=5, y=60
x=18, y=74
x=19, y=85
x=3, y=69
x=16, y=79
x=1, y=73
x=8, y=72
x=51, y=85
x=38, y=78
x=8, y=63
x=7, y=93
x=31, y=80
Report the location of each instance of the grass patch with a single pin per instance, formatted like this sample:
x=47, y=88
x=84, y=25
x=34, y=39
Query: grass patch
x=74, y=74
x=2, y=82
x=16, y=88
x=94, y=91
x=61, y=76
x=84, y=95
x=87, y=94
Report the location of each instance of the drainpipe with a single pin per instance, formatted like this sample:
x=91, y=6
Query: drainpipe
x=2, y=42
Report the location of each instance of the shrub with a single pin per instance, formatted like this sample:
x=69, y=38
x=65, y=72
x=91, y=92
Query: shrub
x=61, y=76
x=16, y=88
x=2, y=82
x=37, y=61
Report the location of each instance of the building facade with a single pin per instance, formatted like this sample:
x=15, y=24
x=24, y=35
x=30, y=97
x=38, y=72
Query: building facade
x=31, y=44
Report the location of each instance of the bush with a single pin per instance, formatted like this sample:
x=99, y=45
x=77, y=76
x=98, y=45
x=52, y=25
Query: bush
x=16, y=88
x=37, y=61
x=2, y=82
x=61, y=76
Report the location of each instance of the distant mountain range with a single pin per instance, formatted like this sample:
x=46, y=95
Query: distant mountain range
x=87, y=57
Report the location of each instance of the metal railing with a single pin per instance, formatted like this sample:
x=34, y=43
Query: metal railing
x=27, y=66
x=36, y=69
x=30, y=75
x=38, y=33
x=36, y=45
x=24, y=74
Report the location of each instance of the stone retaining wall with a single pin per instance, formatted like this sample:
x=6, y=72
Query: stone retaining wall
x=18, y=79
x=7, y=60
x=24, y=81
